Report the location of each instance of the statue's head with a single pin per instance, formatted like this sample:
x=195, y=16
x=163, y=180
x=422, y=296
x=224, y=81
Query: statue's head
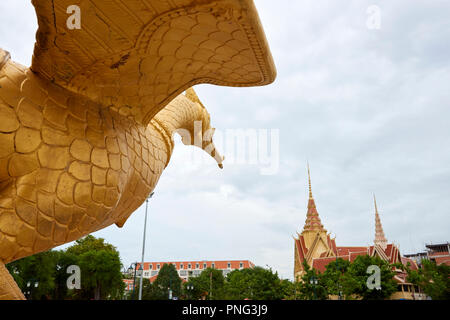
x=199, y=132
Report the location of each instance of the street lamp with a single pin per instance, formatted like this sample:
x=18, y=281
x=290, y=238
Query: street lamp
x=130, y=269
x=313, y=282
x=190, y=287
x=143, y=245
x=30, y=284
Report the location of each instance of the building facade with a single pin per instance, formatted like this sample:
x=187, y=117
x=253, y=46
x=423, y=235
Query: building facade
x=315, y=246
x=188, y=269
x=438, y=253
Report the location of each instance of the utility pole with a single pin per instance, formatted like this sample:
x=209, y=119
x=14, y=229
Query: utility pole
x=143, y=246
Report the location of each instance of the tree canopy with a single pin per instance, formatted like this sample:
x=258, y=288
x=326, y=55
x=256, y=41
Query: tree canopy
x=209, y=284
x=433, y=279
x=355, y=279
x=253, y=283
x=100, y=266
x=166, y=281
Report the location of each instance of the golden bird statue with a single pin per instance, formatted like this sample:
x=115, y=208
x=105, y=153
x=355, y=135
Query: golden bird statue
x=86, y=131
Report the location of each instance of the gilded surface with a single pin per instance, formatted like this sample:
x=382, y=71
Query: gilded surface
x=86, y=132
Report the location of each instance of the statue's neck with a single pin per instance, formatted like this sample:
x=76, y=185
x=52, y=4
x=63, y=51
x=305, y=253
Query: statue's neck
x=4, y=57
x=182, y=115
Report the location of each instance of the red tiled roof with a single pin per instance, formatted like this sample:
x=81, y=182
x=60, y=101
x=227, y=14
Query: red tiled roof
x=302, y=241
x=413, y=264
x=348, y=250
x=333, y=246
x=353, y=255
x=320, y=263
x=388, y=250
x=301, y=248
x=442, y=260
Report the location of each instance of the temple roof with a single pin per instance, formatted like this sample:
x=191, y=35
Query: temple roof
x=380, y=238
x=312, y=216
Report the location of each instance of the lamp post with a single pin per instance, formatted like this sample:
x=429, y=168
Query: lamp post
x=190, y=288
x=32, y=283
x=130, y=269
x=313, y=282
x=143, y=245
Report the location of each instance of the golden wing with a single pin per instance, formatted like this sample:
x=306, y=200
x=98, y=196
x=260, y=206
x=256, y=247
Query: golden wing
x=136, y=55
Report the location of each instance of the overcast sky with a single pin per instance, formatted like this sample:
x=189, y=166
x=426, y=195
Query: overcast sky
x=368, y=107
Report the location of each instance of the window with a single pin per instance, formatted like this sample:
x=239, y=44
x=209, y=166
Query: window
x=213, y=265
x=196, y=266
x=181, y=266
x=229, y=265
x=204, y=266
x=151, y=266
x=189, y=266
x=157, y=266
x=241, y=265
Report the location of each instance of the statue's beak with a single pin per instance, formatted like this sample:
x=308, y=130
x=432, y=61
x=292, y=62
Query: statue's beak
x=211, y=149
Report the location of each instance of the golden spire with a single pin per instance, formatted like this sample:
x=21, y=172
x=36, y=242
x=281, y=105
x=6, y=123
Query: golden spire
x=375, y=202
x=380, y=238
x=312, y=216
x=309, y=181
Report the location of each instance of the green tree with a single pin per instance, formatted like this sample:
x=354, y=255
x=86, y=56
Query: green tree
x=148, y=291
x=166, y=280
x=210, y=282
x=354, y=281
x=288, y=289
x=38, y=268
x=433, y=279
x=101, y=276
x=63, y=261
x=100, y=265
x=311, y=285
x=333, y=277
x=90, y=243
x=253, y=283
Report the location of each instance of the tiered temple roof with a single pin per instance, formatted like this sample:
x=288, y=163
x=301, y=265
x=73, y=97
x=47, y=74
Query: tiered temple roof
x=380, y=239
x=319, y=257
x=312, y=216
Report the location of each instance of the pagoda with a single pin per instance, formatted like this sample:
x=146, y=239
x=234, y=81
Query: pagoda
x=316, y=247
